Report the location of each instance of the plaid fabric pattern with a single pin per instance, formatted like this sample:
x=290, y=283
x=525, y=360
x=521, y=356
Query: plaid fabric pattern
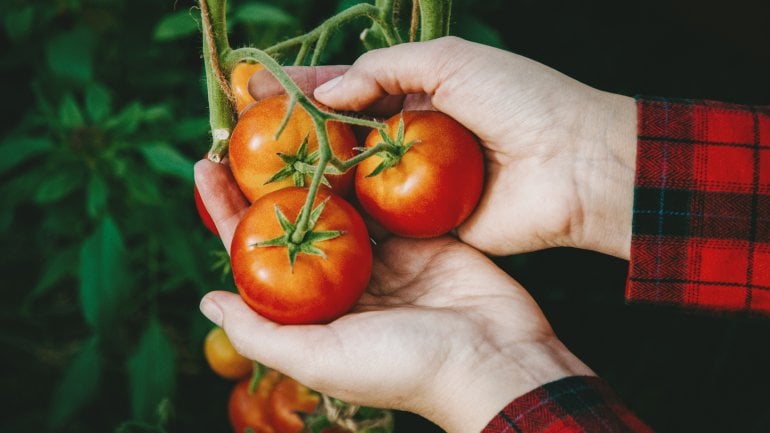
x=570, y=405
x=701, y=224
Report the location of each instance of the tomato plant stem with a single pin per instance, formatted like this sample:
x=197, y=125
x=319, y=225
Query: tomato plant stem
x=434, y=18
x=215, y=44
x=346, y=165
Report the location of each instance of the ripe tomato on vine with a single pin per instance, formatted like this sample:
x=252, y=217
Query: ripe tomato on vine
x=427, y=180
x=314, y=278
x=272, y=407
x=262, y=164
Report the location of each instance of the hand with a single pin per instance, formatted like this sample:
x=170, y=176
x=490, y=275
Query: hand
x=441, y=331
x=560, y=155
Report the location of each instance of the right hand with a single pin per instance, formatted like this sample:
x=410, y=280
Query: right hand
x=560, y=155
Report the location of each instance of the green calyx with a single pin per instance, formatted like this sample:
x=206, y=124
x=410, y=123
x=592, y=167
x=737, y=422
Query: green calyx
x=309, y=238
x=395, y=149
x=301, y=166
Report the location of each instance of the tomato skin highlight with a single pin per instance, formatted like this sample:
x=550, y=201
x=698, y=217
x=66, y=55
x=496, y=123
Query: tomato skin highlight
x=239, y=83
x=222, y=357
x=317, y=289
x=436, y=184
x=204, y=213
x=254, y=152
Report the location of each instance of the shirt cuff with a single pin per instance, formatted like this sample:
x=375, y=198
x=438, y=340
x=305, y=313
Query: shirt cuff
x=573, y=404
x=701, y=223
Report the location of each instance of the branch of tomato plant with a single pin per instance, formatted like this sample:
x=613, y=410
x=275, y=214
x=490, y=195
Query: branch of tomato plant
x=374, y=36
x=215, y=43
x=321, y=34
x=434, y=18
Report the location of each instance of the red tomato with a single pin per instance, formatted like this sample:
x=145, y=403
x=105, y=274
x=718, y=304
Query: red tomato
x=436, y=184
x=254, y=154
x=239, y=82
x=288, y=398
x=273, y=407
x=203, y=213
x=317, y=289
x=250, y=410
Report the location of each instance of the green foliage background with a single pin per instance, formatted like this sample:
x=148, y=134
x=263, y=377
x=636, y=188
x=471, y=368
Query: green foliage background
x=104, y=259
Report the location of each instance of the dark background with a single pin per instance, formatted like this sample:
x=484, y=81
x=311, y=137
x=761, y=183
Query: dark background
x=679, y=371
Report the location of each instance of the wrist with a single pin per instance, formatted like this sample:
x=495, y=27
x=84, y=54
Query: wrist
x=470, y=398
x=607, y=177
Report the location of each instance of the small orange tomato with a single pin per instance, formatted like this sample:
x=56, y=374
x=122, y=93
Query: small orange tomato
x=223, y=358
x=239, y=82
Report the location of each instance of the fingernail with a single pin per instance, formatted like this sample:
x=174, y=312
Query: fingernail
x=329, y=85
x=211, y=310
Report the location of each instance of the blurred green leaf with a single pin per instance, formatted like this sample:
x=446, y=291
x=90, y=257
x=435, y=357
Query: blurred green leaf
x=176, y=248
x=78, y=385
x=473, y=29
x=19, y=23
x=16, y=150
x=70, y=116
x=135, y=427
x=190, y=129
x=60, y=266
x=98, y=102
x=157, y=113
x=165, y=159
x=69, y=54
x=103, y=275
x=175, y=26
x=263, y=13
x=58, y=185
x=143, y=189
x=127, y=120
x=152, y=372
x=96, y=196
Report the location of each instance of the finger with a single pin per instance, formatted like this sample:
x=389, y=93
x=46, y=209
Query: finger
x=399, y=70
x=263, y=84
x=222, y=198
x=290, y=349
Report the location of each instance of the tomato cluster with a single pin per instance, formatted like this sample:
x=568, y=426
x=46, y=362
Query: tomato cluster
x=271, y=404
x=298, y=265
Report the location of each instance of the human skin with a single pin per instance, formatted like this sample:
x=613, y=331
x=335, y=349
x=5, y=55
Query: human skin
x=441, y=331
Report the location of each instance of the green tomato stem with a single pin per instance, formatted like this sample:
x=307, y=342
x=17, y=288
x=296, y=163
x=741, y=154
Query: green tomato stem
x=346, y=165
x=360, y=10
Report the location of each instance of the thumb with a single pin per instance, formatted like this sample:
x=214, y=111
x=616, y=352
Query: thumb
x=287, y=348
x=419, y=68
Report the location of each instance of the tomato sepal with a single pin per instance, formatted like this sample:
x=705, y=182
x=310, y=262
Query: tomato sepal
x=310, y=238
x=300, y=165
x=394, y=148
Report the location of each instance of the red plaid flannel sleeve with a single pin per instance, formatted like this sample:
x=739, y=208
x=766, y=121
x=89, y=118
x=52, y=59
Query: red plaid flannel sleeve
x=701, y=225
x=578, y=404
